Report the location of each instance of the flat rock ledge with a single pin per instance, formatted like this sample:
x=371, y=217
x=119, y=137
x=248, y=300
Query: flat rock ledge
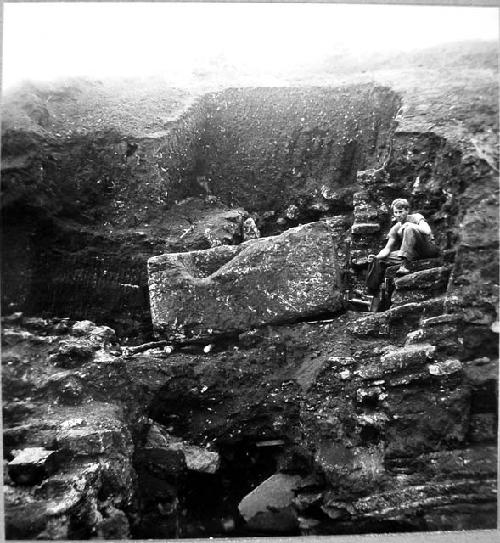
x=229, y=289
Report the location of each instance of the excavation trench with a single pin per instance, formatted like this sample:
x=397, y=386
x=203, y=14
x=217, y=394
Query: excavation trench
x=207, y=504
x=285, y=156
x=331, y=405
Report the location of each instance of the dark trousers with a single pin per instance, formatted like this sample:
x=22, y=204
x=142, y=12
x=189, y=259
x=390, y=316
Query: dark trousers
x=415, y=245
x=376, y=271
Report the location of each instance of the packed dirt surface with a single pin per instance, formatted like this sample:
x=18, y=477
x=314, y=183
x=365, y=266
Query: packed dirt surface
x=187, y=344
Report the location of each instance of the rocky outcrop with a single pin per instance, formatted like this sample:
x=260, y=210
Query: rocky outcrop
x=70, y=468
x=384, y=429
x=230, y=289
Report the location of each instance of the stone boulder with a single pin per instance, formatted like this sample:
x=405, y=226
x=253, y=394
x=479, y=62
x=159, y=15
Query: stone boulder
x=269, y=507
x=73, y=352
x=31, y=465
x=197, y=458
x=357, y=467
x=228, y=289
x=223, y=228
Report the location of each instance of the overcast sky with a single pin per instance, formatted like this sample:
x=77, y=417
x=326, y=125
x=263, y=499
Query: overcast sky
x=49, y=40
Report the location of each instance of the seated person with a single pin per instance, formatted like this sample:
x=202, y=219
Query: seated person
x=409, y=239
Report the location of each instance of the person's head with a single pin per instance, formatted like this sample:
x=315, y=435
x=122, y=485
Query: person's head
x=400, y=208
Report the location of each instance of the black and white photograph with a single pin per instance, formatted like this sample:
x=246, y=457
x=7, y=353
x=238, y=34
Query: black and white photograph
x=250, y=271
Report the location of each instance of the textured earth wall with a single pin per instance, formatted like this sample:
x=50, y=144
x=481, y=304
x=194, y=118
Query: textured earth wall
x=82, y=202
x=269, y=148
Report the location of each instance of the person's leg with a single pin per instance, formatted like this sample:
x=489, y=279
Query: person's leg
x=375, y=275
x=409, y=244
x=427, y=248
x=416, y=245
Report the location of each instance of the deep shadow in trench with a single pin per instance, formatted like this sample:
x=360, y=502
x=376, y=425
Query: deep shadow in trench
x=211, y=501
x=206, y=504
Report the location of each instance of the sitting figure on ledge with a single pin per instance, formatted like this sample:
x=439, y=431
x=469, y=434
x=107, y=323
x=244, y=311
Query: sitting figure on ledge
x=409, y=239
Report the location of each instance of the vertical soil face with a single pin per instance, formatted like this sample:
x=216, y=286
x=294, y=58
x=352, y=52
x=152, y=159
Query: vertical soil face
x=268, y=148
x=91, y=209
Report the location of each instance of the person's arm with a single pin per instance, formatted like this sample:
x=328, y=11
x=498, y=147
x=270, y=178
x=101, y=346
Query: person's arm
x=386, y=251
x=422, y=226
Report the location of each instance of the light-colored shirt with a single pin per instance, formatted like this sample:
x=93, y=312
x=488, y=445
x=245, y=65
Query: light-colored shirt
x=414, y=218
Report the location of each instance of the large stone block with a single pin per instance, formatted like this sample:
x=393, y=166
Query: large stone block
x=197, y=459
x=269, y=506
x=229, y=289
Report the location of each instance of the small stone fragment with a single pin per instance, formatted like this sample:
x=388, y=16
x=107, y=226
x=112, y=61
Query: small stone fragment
x=103, y=334
x=13, y=337
x=35, y=323
x=12, y=318
x=446, y=367
x=31, y=465
x=82, y=328
x=74, y=351
x=250, y=230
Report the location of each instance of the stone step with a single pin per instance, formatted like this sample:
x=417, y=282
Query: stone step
x=361, y=198
x=420, y=285
x=404, y=297
x=13, y=337
x=371, y=178
x=402, y=317
x=364, y=243
x=359, y=228
x=432, y=496
x=365, y=213
x=410, y=357
x=439, y=334
x=425, y=279
x=416, y=265
x=439, y=320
